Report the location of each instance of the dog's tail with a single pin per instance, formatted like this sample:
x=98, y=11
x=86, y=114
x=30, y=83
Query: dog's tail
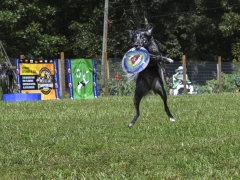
x=132, y=77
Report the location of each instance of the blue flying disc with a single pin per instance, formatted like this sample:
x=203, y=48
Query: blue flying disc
x=135, y=60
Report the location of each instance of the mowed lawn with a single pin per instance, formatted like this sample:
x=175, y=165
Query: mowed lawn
x=89, y=139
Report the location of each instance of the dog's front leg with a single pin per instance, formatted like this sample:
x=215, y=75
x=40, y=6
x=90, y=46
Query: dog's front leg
x=161, y=58
x=155, y=57
x=167, y=60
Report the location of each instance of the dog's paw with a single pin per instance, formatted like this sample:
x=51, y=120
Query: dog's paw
x=170, y=60
x=130, y=124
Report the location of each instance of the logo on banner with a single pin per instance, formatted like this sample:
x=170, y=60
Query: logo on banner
x=81, y=77
x=45, y=81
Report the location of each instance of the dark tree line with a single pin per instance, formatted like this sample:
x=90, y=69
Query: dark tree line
x=200, y=29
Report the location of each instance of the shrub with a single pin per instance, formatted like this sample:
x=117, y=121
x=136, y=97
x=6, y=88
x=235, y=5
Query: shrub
x=228, y=84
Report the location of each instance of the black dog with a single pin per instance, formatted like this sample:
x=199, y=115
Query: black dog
x=150, y=78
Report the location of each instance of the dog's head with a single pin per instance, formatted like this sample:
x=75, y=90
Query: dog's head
x=140, y=37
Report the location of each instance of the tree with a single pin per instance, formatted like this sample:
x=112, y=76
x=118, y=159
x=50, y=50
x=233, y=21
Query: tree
x=29, y=28
x=200, y=29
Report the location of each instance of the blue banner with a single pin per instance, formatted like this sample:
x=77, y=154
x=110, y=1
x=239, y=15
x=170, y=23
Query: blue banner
x=69, y=75
x=56, y=79
x=95, y=89
x=18, y=75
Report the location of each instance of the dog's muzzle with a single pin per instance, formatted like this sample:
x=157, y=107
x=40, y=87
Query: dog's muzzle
x=137, y=44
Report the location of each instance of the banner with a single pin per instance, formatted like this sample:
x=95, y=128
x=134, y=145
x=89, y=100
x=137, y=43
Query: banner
x=38, y=76
x=82, y=78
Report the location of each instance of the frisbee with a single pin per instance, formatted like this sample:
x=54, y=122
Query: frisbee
x=135, y=60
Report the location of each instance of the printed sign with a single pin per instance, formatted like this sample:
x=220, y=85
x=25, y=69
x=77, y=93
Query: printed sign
x=82, y=78
x=38, y=76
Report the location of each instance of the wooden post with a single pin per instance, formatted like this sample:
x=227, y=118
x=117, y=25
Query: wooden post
x=105, y=73
x=104, y=47
x=22, y=56
x=184, y=74
x=62, y=75
x=220, y=74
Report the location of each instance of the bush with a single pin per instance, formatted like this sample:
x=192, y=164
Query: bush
x=228, y=84
x=115, y=88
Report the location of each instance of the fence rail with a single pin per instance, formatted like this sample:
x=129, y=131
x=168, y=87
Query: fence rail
x=199, y=73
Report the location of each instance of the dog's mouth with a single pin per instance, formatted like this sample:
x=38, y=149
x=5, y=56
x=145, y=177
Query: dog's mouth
x=137, y=46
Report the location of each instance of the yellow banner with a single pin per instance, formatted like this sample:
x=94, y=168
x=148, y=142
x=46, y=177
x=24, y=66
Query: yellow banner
x=34, y=69
x=38, y=78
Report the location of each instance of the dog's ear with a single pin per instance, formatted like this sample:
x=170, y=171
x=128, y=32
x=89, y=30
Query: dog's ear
x=149, y=29
x=129, y=33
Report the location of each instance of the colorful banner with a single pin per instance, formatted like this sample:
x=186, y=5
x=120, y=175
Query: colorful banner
x=82, y=78
x=38, y=76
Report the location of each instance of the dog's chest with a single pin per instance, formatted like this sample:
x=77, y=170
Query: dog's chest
x=153, y=50
x=152, y=63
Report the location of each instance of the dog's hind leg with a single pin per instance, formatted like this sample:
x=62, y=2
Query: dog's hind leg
x=140, y=90
x=158, y=88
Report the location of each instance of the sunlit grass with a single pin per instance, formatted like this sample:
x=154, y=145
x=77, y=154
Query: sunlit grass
x=89, y=139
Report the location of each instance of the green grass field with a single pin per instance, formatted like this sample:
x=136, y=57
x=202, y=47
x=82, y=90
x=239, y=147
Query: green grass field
x=89, y=139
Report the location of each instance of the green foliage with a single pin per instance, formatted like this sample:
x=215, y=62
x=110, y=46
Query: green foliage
x=236, y=52
x=2, y=59
x=28, y=28
x=118, y=88
x=89, y=139
x=40, y=29
x=229, y=25
x=122, y=89
x=228, y=84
